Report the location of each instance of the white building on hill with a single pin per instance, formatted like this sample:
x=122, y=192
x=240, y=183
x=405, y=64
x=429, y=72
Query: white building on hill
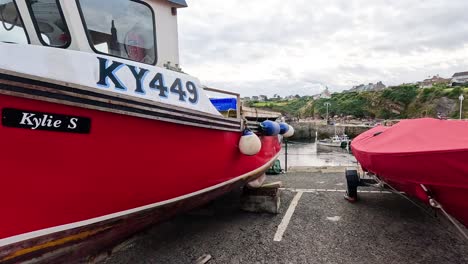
x=460, y=78
x=325, y=95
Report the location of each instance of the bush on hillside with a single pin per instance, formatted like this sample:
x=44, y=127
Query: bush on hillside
x=403, y=94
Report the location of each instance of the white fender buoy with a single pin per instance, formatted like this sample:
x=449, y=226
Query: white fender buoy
x=257, y=183
x=290, y=132
x=249, y=143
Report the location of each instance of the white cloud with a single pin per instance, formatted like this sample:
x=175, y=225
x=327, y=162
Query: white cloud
x=297, y=46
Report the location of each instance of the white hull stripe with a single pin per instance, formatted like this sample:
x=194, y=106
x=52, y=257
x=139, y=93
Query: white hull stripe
x=329, y=190
x=51, y=230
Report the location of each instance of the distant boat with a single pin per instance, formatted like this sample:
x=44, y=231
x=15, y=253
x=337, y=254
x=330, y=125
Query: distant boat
x=336, y=141
x=424, y=158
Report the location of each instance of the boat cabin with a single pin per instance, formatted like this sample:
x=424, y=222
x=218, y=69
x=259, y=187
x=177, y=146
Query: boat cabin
x=139, y=30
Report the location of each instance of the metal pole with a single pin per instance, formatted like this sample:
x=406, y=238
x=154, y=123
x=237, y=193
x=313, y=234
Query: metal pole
x=327, y=114
x=286, y=155
x=327, y=104
x=461, y=104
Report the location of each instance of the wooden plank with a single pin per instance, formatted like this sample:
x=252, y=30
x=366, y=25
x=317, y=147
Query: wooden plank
x=249, y=112
x=277, y=184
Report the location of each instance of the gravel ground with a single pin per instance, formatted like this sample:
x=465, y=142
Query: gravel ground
x=381, y=228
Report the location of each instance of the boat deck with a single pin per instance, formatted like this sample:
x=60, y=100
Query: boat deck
x=323, y=228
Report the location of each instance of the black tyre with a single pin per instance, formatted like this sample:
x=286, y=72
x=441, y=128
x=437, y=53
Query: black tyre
x=352, y=181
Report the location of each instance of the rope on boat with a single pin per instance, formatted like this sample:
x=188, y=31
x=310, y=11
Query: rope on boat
x=463, y=232
x=432, y=202
x=395, y=191
x=437, y=205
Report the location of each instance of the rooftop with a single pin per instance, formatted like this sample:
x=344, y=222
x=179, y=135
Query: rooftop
x=460, y=74
x=179, y=2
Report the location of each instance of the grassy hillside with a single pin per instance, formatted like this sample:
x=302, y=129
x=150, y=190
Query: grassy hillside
x=404, y=101
x=287, y=107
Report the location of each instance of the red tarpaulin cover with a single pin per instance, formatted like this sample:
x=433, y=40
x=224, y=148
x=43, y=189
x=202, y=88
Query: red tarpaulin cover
x=421, y=151
x=418, y=135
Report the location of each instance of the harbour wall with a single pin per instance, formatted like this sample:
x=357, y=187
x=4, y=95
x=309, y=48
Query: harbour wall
x=306, y=130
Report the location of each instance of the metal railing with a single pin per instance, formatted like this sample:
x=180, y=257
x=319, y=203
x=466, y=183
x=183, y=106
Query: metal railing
x=238, y=105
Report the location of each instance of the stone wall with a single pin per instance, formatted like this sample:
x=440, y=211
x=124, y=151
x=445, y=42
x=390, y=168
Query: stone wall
x=306, y=130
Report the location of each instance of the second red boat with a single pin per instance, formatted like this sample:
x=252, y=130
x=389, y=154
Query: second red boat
x=424, y=158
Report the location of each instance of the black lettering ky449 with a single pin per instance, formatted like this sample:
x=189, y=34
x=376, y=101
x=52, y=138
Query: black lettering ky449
x=108, y=71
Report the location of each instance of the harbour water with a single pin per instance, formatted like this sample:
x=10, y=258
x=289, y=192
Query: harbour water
x=308, y=154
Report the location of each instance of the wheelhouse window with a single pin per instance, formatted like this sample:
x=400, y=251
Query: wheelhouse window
x=121, y=28
x=49, y=22
x=11, y=28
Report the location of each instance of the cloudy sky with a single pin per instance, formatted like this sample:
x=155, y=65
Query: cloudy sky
x=298, y=46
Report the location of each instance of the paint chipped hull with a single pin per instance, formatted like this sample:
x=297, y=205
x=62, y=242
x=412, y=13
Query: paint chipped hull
x=71, y=195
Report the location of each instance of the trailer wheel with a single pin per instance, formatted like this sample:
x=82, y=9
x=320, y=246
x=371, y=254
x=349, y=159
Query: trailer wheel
x=352, y=181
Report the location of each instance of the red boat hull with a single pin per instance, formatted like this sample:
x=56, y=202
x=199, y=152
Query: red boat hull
x=428, y=152
x=56, y=187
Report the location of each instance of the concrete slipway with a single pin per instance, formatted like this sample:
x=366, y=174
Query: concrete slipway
x=323, y=228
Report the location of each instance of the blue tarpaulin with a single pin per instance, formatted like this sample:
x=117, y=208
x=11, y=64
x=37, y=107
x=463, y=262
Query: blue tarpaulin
x=224, y=104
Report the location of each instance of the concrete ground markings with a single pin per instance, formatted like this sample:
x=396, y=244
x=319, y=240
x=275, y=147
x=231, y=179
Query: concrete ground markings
x=322, y=228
